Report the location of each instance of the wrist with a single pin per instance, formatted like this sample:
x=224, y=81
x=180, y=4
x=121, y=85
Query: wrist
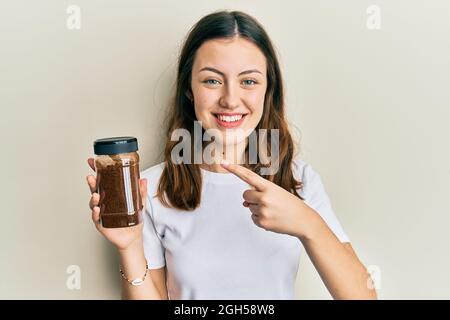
x=134, y=248
x=132, y=261
x=135, y=281
x=311, y=224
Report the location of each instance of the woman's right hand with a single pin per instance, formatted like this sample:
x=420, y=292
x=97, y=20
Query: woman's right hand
x=121, y=238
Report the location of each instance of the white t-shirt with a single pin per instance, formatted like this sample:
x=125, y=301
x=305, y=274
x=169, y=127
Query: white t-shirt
x=216, y=251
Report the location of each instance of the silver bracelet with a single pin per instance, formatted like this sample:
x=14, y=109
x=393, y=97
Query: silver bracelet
x=137, y=281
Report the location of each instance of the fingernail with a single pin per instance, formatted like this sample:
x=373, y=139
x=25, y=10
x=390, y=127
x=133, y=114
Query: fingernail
x=224, y=162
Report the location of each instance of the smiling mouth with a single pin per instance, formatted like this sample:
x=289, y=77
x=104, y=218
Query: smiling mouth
x=229, y=118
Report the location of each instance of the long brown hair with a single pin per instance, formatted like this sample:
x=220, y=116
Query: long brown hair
x=180, y=185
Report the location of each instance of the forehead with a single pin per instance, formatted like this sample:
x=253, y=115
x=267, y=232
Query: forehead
x=230, y=55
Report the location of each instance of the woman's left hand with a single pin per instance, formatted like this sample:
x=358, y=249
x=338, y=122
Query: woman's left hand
x=274, y=208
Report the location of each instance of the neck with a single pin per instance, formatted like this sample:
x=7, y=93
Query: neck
x=232, y=153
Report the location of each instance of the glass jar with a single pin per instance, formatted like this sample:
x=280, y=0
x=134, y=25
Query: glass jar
x=117, y=168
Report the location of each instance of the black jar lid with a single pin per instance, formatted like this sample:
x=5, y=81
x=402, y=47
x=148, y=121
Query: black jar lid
x=115, y=145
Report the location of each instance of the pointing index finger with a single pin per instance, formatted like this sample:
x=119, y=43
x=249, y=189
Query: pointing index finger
x=246, y=175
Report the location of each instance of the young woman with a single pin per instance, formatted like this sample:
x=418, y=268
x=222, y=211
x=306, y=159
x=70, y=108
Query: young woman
x=221, y=229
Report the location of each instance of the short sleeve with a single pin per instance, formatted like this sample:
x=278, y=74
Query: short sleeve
x=316, y=197
x=153, y=248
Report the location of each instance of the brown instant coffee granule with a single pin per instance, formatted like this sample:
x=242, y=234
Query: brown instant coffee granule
x=118, y=185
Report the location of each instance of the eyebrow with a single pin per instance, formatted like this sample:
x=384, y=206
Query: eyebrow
x=222, y=74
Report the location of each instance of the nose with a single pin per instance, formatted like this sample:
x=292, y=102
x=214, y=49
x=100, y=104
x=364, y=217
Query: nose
x=230, y=97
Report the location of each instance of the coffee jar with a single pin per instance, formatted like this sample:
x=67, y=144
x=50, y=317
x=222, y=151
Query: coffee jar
x=117, y=168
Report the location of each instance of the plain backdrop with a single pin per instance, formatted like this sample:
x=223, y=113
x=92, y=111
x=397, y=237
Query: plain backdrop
x=368, y=107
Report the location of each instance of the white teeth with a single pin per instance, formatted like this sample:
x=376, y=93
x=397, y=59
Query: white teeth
x=229, y=118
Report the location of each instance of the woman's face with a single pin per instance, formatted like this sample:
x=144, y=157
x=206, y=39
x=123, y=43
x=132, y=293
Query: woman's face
x=229, y=85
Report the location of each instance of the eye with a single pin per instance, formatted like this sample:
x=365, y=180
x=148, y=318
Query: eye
x=249, y=82
x=211, y=81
